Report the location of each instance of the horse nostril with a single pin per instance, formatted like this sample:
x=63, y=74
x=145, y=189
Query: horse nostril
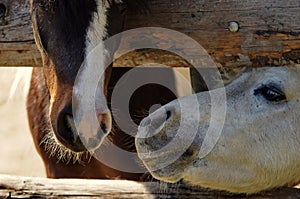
x=66, y=131
x=169, y=114
x=103, y=128
x=2, y=10
x=105, y=122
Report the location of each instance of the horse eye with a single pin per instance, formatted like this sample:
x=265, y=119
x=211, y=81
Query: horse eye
x=270, y=93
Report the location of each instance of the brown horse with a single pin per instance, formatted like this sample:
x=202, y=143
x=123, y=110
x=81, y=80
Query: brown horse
x=65, y=32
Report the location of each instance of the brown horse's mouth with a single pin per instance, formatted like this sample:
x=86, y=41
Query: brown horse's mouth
x=68, y=135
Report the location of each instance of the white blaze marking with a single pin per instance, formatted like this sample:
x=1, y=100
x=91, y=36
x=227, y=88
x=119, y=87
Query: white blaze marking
x=95, y=63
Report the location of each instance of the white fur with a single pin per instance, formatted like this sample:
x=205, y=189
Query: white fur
x=259, y=145
x=92, y=75
x=96, y=31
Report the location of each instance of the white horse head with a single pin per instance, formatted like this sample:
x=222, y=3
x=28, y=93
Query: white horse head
x=258, y=148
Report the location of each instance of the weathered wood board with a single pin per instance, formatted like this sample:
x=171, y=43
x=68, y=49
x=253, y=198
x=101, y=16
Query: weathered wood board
x=25, y=187
x=17, y=47
x=268, y=35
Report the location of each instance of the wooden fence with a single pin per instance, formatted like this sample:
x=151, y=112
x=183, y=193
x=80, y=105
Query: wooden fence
x=267, y=34
x=24, y=187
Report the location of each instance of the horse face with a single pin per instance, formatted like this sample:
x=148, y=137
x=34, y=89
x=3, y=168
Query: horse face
x=259, y=144
x=66, y=31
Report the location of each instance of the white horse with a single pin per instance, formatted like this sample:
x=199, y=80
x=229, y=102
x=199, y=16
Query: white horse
x=258, y=148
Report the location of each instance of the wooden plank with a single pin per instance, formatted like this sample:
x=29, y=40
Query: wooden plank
x=25, y=187
x=17, y=46
x=269, y=31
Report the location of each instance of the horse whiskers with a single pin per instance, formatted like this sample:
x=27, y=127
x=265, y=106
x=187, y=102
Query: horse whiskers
x=115, y=112
x=163, y=189
x=63, y=154
x=167, y=188
x=147, y=177
x=128, y=143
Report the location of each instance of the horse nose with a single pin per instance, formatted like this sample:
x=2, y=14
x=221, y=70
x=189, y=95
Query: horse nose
x=66, y=131
x=151, y=133
x=81, y=138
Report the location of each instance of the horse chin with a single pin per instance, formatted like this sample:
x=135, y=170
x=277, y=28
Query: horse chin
x=163, y=168
x=55, y=149
x=166, y=176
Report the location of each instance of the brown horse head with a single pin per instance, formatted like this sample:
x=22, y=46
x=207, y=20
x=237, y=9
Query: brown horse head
x=66, y=31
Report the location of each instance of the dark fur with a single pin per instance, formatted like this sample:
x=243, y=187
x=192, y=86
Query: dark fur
x=64, y=23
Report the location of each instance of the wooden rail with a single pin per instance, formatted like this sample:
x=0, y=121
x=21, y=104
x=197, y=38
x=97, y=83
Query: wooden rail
x=25, y=187
x=268, y=33
x=17, y=47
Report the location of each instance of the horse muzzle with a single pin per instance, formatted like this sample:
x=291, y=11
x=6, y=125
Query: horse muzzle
x=83, y=135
